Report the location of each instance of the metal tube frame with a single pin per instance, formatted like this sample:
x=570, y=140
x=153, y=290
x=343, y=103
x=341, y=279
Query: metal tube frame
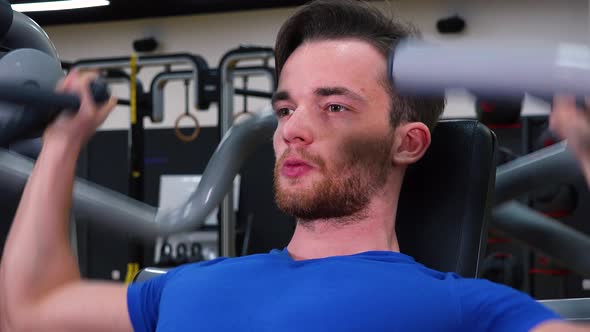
x=159, y=83
x=149, y=61
x=227, y=66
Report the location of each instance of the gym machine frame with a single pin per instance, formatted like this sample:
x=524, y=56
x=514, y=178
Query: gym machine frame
x=227, y=68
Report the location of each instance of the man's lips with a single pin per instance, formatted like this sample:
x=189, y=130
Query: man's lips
x=293, y=168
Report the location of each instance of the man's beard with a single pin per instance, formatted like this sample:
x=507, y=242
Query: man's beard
x=346, y=186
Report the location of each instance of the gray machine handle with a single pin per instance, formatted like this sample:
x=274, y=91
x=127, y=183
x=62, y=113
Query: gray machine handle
x=90, y=201
x=237, y=145
x=420, y=68
x=552, y=165
x=549, y=236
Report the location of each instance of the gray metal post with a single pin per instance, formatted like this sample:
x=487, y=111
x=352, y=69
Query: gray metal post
x=227, y=66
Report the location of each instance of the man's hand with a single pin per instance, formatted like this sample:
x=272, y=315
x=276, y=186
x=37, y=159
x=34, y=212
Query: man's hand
x=572, y=124
x=77, y=127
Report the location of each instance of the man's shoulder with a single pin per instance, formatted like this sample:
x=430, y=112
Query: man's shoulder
x=222, y=262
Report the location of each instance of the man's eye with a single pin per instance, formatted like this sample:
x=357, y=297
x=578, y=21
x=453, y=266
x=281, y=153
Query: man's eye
x=281, y=112
x=336, y=108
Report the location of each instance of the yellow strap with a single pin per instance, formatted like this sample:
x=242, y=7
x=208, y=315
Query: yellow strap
x=132, y=270
x=133, y=92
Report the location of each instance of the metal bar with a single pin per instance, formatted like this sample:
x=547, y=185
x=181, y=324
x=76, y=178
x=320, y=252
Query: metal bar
x=549, y=236
x=226, y=110
x=422, y=68
x=235, y=147
x=159, y=83
x=552, y=165
x=91, y=202
x=165, y=60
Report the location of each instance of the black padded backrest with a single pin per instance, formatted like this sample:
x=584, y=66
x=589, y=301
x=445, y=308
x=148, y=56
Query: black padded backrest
x=446, y=197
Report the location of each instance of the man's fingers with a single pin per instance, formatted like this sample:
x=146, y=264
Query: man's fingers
x=108, y=107
x=82, y=87
x=563, y=107
x=564, y=103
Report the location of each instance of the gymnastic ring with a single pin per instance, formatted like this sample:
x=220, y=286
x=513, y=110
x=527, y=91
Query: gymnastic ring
x=241, y=115
x=178, y=132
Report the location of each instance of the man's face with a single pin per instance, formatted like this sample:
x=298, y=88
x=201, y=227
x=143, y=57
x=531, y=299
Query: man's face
x=333, y=141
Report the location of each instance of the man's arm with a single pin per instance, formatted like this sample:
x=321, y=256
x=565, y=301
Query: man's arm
x=561, y=327
x=40, y=284
x=573, y=124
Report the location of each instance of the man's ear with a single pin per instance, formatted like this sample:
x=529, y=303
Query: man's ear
x=411, y=142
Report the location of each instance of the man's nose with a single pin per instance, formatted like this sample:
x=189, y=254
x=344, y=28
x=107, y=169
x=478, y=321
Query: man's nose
x=297, y=128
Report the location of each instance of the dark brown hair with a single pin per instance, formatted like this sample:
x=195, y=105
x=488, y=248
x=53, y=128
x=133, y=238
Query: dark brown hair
x=340, y=19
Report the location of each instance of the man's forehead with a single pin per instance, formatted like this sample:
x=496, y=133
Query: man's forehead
x=339, y=48
x=349, y=63
x=340, y=56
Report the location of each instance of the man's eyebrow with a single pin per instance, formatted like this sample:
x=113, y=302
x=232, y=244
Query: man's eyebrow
x=279, y=96
x=338, y=91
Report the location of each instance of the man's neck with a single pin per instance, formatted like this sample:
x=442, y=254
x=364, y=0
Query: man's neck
x=375, y=231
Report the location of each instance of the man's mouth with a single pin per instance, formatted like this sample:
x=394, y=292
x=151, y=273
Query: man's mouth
x=293, y=168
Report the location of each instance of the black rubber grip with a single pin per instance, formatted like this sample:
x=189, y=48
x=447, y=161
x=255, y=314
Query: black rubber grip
x=100, y=91
x=31, y=96
x=42, y=107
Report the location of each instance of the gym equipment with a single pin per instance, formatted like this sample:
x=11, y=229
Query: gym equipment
x=149, y=273
x=577, y=310
x=420, y=68
x=197, y=64
x=556, y=201
x=503, y=268
x=165, y=258
x=5, y=18
x=179, y=134
x=25, y=33
x=210, y=91
x=458, y=203
x=181, y=254
x=196, y=254
x=119, y=212
x=220, y=83
x=498, y=113
x=244, y=112
x=544, y=234
x=505, y=155
x=227, y=65
x=552, y=165
x=29, y=73
x=28, y=76
x=547, y=138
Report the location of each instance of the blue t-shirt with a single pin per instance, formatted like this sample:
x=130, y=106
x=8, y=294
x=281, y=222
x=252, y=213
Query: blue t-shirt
x=371, y=291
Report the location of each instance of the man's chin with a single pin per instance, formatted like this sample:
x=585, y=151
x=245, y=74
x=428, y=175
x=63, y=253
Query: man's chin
x=299, y=182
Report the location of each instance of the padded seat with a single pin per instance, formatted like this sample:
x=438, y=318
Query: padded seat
x=446, y=198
